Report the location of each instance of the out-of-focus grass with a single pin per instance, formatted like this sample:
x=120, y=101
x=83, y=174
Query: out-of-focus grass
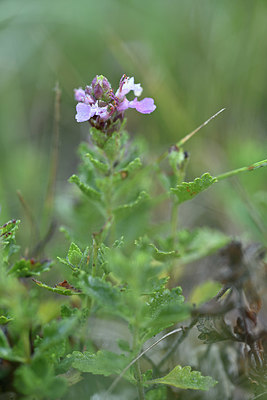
x=192, y=57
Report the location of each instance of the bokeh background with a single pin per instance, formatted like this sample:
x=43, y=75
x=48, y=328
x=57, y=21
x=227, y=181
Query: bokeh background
x=193, y=57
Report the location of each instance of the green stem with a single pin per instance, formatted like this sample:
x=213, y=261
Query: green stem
x=251, y=167
x=174, y=221
x=138, y=375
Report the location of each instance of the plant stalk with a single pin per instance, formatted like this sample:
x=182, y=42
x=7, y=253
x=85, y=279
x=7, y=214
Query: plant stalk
x=251, y=167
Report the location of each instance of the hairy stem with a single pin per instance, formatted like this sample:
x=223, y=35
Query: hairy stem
x=251, y=167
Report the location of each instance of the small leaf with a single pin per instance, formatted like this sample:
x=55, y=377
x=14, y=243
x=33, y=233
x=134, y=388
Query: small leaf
x=108, y=296
x=188, y=190
x=74, y=254
x=184, y=378
x=27, y=268
x=91, y=193
x=164, y=255
x=101, y=363
x=101, y=166
x=125, y=208
x=132, y=166
x=58, y=289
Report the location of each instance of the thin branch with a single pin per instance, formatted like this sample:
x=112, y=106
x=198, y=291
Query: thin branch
x=114, y=384
x=259, y=396
x=187, y=137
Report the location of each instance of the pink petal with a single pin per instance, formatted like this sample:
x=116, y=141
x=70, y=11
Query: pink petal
x=145, y=106
x=83, y=112
x=123, y=105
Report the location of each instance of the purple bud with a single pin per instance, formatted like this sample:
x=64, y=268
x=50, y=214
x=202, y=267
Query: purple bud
x=98, y=91
x=101, y=88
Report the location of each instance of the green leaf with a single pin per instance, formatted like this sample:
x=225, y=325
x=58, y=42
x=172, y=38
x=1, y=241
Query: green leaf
x=164, y=255
x=53, y=343
x=108, y=296
x=199, y=243
x=98, y=137
x=112, y=145
x=7, y=239
x=165, y=308
x=133, y=165
x=101, y=166
x=188, y=190
x=120, y=211
x=184, y=378
x=39, y=381
x=101, y=363
x=74, y=254
x=91, y=193
x=26, y=268
x=57, y=289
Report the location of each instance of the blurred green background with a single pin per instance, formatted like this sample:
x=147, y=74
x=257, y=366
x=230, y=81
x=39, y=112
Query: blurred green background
x=193, y=57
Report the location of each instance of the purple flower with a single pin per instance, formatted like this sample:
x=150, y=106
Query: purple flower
x=126, y=85
x=86, y=111
x=98, y=101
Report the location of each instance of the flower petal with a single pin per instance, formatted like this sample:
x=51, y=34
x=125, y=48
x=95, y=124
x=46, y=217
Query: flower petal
x=145, y=106
x=123, y=105
x=79, y=94
x=84, y=112
x=126, y=86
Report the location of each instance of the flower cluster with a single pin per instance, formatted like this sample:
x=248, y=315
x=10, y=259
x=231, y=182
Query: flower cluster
x=98, y=104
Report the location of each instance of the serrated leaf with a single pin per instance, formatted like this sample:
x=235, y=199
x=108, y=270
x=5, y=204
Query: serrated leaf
x=188, y=190
x=53, y=341
x=91, y=193
x=184, y=378
x=132, y=166
x=74, y=254
x=7, y=239
x=120, y=211
x=200, y=243
x=58, y=289
x=108, y=296
x=163, y=255
x=27, y=268
x=165, y=308
x=101, y=166
x=101, y=363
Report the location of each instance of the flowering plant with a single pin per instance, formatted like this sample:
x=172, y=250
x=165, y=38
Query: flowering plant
x=98, y=104
x=117, y=279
